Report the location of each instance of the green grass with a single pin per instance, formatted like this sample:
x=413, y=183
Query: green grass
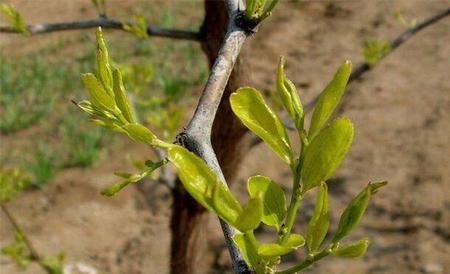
x=45, y=132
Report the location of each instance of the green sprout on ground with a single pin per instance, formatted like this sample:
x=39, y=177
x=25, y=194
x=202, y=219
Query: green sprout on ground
x=12, y=182
x=323, y=147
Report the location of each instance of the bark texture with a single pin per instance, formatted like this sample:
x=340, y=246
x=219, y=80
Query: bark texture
x=228, y=142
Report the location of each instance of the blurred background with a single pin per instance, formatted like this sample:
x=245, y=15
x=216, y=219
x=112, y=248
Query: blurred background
x=400, y=110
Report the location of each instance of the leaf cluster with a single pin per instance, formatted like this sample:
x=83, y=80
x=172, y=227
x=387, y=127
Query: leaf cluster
x=323, y=146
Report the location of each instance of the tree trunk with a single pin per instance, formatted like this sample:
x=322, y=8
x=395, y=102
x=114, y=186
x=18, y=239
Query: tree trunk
x=228, y=142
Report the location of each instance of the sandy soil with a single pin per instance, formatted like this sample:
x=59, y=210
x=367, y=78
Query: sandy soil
x=401, y=113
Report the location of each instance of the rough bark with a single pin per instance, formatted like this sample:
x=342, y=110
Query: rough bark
x=227, y=139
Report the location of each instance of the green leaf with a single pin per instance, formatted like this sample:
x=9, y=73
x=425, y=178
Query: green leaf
x=54, y=265
x=248, y=104
x=225, y=204
x=15, y=18
x=288, y=94
x=318, y=225
x=274, y=201
x=250, y=217
x=329, y=99
x=293, y=242
x=99, y=98
x=355, y=210
x=352, y=250
x=18, y=250
x=132, y=178
x=139, y=133
x=120, y=96
x=273, y=250
x=326, y=152
x=374, y=50
x=138, y=27
x=103, y=66
x=12, y=182
x=248, y=249
x=196, y=176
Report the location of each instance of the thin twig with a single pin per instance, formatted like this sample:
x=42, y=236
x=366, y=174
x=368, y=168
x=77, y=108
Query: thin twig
x=197, y=135
x=34, y=255
x=107, y=23
x=164, y=176
x=363, y=67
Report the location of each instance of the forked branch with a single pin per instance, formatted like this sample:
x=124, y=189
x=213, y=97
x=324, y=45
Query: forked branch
x=197, y=136
x=107, y=23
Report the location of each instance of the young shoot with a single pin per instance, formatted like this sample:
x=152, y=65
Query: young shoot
x=322, y=148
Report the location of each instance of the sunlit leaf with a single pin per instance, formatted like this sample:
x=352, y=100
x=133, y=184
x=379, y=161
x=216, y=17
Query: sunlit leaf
x=325, y=153
x=355, y=210
x=138, y=27
x=197, y=178
x=248, y=104
x=120, y=96
x=250, y=217
x=329, y=99
x=318, y=225
x=14, y=18
x=103, y=66
x=139, y=133
x=248, y=249
x=293, y=242
x=289, y=96
x=225, y=204
x=99, y=97
x=274, y=201
x=352, y=250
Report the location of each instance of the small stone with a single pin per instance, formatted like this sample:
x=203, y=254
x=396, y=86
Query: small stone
x=433, y=268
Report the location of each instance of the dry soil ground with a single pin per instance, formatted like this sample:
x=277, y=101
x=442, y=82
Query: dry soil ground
x=401, y=113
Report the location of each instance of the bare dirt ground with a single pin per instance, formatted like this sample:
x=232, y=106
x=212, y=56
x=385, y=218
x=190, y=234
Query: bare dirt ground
x=401, y=113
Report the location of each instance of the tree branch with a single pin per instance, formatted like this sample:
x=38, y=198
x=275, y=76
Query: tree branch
x=107, y=23
x=197, y=135
x=363, y=67
x=34, y=255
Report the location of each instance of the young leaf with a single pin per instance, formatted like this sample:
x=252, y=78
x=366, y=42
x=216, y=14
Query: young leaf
x=225, y=204
x=249, y=106
x=132, y=178
x=250, y=217
x=196, y=176
x=15, y=18
x=325, y=153
x=274, y=201
x=318, y=225
x=120, y=96
x=103, y=66
x=352, y=250
x=288, y=94
x=139, y=133
x=99, y=97
x=138, y=27
x=329, y=99
x=115, y=188
x=293, y=242
x=18, y=251
x=248, y=249
x=273, y=250
x=355, y=210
